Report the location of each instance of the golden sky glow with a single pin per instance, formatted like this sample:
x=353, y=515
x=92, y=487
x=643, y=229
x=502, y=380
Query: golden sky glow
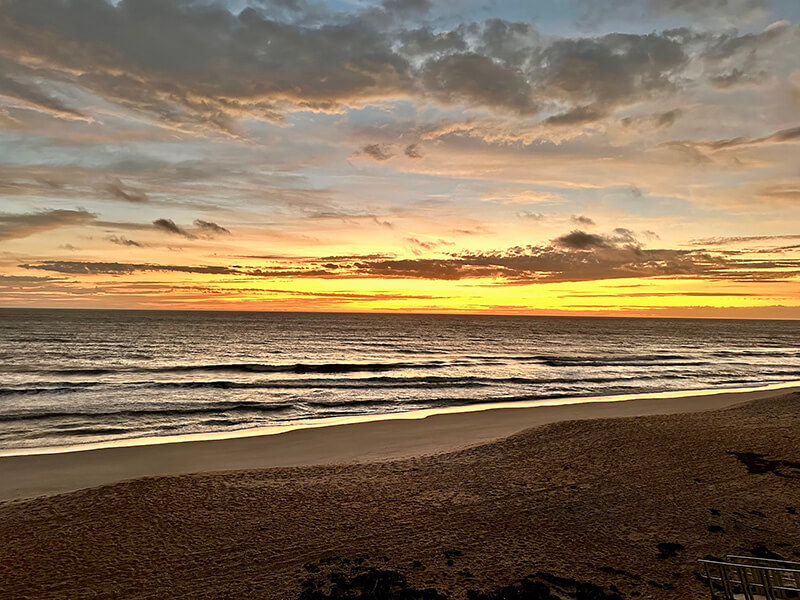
x=623, y=158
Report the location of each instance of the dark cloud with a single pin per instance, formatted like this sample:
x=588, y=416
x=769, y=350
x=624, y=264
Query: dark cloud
x=405, y=7
x=126, y=225
x=479, y=230
x=425, y=42
x=667, y=119
x=789, y=135
x=120, y=191
x=722, y=241
x=211, y=228
x=32, y=95
x=533, y=216
x=123, y=241
x=624, y=236
x=736, y=76
x=116, y=268
x=580, y=240
x=21, y=279
x=382, y=222
x=169, y=226
x=509, y=43
x=655, y=121
x=732, y=60
x=202, y=68
x=595, y=74
x=419, y=244
x=474, y=79
x=580, y=256
x=413, y=151
x=577, y=116
x=14, y=226
x=377, y=151
x=582, y=220
x=576, y=256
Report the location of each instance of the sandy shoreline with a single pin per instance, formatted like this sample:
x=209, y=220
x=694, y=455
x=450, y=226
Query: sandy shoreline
x=390, y=438
x=620, y=508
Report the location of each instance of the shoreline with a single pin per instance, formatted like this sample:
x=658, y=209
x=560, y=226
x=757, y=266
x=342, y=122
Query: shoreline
x=391, y=436
x=416, y=414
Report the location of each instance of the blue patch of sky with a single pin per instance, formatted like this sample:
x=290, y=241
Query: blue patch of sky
x=553, y=17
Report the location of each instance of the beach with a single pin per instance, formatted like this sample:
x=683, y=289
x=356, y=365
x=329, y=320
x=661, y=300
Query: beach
x=625, y=496
x=379, y=438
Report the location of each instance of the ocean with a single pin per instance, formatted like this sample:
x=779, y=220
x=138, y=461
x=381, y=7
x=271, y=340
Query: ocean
x=86, y=376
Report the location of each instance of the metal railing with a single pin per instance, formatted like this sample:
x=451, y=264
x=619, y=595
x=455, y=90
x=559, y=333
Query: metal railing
x=751, y=578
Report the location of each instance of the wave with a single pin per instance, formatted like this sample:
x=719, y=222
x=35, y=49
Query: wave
x=297, y=368
x=362, y=383
x=768, y=353
x=56, y=388
x=471, y=360
x=655, y=360
x=225, y=407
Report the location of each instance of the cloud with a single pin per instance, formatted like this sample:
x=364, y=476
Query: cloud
x=122, y=241
x=170, y=227
x=116, y=268
x=722, y=241
x=789, y=192
x=581, y=256
x=420, y=245
x=122, y=192
x=789, y=135
x=478, y=80
x=575, y=256
x=736, y=76
x=378, y=152
x=578, y=116
x=668, y=118
x=32, y=96
x=404, y=7
x=582, y=220
x=413, y=151
x=204, y=69
x=211, y=228
x=595, y=74
x=422, y=42
x=15, y=226
x=580, y=240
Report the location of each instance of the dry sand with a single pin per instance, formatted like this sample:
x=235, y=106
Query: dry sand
x=625, y=504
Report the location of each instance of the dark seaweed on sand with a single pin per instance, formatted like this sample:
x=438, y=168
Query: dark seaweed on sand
x=370, y=583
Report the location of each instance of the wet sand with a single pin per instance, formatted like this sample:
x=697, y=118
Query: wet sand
x=615, y=507
x=28, y=476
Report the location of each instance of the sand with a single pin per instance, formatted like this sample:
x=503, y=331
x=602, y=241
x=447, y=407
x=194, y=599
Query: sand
x=617, y=507
x=28, y=476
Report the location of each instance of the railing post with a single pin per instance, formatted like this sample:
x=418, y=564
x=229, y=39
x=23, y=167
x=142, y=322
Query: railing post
x=748, y=593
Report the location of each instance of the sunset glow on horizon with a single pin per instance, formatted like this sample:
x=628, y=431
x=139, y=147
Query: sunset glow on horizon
x=549, y=158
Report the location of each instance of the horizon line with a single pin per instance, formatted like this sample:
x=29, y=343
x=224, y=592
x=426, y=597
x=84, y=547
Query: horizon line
x=402, y=313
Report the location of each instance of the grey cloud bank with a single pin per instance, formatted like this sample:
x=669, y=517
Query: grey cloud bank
x=203, y=68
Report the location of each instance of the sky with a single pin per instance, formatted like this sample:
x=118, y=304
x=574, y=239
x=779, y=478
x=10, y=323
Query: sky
x=587, y=157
